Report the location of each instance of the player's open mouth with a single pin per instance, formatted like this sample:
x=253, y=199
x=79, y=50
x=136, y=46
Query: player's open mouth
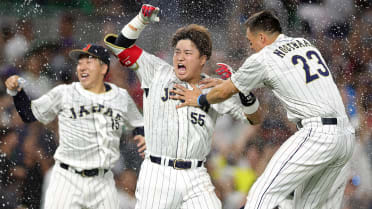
x=181, y=69
x=84, y=76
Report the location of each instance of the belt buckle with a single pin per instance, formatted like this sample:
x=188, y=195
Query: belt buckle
x=174, y=164
x=83, y=173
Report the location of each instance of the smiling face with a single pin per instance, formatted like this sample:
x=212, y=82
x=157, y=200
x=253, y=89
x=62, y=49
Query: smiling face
x=91, y=72
x=187, y=61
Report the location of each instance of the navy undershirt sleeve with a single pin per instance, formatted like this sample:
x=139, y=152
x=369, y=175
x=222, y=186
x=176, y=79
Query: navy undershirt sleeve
x=23, y=105
x=124, y=41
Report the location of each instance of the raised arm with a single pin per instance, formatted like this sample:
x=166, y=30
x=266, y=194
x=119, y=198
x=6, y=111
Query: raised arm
x=122, y=45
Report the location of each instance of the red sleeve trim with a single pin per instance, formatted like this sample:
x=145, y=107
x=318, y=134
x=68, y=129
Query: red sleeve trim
x=130, y=55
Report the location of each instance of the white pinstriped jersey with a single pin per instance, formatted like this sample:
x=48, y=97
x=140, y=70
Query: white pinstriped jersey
x=297, y=74
x=90, y=125
x=183, y=133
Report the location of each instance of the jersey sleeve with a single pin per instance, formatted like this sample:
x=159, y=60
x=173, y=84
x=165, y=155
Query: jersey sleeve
x=233, y=107
x=133, y=117
x=148, y=64
x=47, y=107
x=250, y=75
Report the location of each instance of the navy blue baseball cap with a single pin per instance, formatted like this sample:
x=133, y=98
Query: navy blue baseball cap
x=93, y=50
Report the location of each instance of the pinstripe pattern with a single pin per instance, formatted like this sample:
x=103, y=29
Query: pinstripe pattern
x=171, y=133
x=307, y=163
x=319, y=97
x=165, y=187
x=89, y=140
x=313, y=169
x=80, y=192
x=90, y=127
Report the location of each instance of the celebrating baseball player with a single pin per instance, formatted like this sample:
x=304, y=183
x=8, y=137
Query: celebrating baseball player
x=310, y=160
x=178, y=140
x=91, y=115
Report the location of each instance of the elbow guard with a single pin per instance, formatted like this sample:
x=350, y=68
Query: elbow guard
x=127, y=56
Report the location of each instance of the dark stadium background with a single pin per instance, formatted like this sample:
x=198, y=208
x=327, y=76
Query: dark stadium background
x=36, y=35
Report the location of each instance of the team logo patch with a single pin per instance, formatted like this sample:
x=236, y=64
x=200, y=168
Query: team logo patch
x=87, y=47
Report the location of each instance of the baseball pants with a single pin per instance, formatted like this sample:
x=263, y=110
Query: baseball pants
x=335, y=197
x=163, y=187
x=68, y=189
x=309, y=163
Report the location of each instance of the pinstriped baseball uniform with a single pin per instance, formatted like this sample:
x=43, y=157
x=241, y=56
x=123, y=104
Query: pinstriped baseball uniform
x=171, y=133
x=90, y=126
x=310, y=160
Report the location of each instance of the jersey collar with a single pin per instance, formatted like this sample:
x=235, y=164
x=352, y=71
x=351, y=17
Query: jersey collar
x=108, y=95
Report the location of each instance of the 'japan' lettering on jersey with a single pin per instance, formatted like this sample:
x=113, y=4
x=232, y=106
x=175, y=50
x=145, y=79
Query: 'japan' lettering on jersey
x=183, y=133
x=297, y=74
x=90, y=125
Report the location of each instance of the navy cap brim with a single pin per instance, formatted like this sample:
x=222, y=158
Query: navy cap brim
x=76, y=53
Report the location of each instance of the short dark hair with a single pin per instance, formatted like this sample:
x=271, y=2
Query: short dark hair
x=198, y=34
x=265, y=21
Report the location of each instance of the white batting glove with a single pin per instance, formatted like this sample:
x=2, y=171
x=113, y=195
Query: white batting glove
x=21, y=84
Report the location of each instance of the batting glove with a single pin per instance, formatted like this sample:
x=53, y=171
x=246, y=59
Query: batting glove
x=149, y=14
x=225, y=71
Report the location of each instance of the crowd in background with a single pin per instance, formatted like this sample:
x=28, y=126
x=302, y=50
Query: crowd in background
x=36, y=36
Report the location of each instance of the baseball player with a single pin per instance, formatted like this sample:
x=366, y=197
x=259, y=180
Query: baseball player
x=310, y=161
x=91, y=115
x=178, y=140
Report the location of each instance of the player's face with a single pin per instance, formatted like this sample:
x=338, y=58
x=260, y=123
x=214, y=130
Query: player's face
x=90, y=72
x=187, y=61
x=256, y=40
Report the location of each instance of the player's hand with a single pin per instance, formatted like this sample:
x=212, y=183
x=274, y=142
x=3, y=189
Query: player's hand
x=149, y=14
x=225, y=71
x=12, y=83
x=190, y=97
x=141, y=144
x=209, y=83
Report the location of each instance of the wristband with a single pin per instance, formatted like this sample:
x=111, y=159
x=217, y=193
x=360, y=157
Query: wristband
x=133, y=29
x=251, y=108
x=202, y=100
x=247, y=100
x=12, y=92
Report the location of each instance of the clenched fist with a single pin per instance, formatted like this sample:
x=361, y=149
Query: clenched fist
x=149, y=14
x=14, y=84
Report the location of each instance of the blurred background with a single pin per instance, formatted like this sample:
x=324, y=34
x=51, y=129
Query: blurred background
x=36, y=36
